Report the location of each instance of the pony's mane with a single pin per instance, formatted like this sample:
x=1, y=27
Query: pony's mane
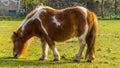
x=39, y=8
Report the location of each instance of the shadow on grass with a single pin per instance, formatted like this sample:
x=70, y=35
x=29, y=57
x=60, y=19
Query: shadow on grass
x=13, y=62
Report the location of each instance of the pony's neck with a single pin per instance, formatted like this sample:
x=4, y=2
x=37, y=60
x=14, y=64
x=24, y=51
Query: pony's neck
x=25, y=35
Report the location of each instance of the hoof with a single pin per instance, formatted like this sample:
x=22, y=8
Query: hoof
x=43, y=59
x=76, y=60
x=89, y=61
x=56, y=59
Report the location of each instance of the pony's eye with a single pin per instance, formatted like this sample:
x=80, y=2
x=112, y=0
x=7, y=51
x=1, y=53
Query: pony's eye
x=13, y=41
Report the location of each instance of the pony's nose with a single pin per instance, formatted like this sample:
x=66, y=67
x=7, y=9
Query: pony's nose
x=15, y=56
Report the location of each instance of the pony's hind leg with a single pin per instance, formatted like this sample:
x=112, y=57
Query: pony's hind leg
x=82, y=46
x=44, y=50
x=91, y=42
x=90, y=53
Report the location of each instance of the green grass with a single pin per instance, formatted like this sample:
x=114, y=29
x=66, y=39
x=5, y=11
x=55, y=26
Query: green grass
x=107, y=49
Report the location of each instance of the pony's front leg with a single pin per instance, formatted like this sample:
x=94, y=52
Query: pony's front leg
x=54, y=49
x=82, y=46
x=55, y=53
x=44, y=50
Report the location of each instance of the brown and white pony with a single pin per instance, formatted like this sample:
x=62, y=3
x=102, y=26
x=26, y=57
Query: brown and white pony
x=51, y=25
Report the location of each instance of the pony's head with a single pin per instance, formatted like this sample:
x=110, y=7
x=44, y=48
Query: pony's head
x=19, y=48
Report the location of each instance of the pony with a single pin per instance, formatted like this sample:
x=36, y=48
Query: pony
x=52, y=25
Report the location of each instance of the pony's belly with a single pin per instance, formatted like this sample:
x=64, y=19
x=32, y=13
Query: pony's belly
x=63, y=37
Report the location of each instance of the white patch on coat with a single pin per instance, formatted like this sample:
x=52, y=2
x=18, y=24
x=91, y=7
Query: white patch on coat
x=84, y=10
x=22, y=24
x=35, y=16
x=83, y=36
x=56, y=21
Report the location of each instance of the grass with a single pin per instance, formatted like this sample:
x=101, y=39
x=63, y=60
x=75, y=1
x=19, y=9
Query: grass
x=107, y=49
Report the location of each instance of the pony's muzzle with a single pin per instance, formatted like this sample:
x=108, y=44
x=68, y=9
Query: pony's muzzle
x=15, y=55
x=18, y=56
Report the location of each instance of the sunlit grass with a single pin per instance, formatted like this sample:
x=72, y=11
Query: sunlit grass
x=107, y=49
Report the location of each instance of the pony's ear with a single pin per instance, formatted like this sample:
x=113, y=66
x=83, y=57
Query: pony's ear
x=15, y=33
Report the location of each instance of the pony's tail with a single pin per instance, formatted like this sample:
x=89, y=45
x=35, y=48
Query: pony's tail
x=91, y=39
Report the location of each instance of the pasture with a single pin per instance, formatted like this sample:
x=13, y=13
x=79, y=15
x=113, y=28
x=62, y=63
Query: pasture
x=107, y=49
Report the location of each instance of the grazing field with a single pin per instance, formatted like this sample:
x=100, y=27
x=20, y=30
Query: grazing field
x=107, y=49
